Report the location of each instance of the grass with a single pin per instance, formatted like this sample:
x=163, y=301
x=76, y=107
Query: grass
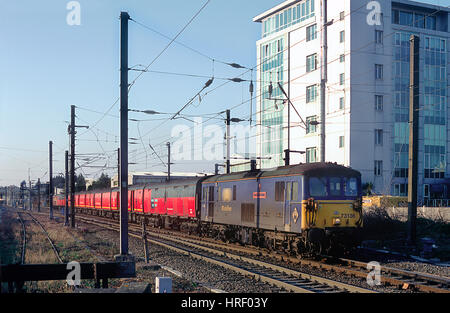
x=381, y=231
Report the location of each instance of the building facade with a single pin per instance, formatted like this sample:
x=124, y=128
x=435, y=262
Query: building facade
x=366, y=91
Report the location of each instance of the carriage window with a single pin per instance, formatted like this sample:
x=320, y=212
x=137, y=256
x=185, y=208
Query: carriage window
x=294, y=195
x=279, y=191
x=351, y=187
x=318, y=187
x=227, y=194
x=211, y=193
x=335, y=186
x=234, y=192
x=288, y=190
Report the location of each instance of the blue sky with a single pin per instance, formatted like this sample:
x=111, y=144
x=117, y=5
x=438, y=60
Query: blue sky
x=48, y=65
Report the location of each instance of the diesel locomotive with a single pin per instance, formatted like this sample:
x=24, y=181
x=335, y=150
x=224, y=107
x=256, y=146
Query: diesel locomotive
x=311, y=208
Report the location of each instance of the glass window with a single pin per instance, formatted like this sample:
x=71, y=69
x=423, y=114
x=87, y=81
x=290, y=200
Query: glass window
x=335, y=186
x=318, y=187
x=311, y=62
x=342, y=58
x=378, y=136
x=379, y=102
x=378, y=71
x=342, y=16
x=279, y=191
x=341, y=79
x=341, y=103
x=311, y=155
x=431, y=22
x=406, y=18
x=294, y=191
x=379, y=36
x=378, y=168
x=395, y=16
x=311, y=128
x=342, y=36
x=311, y=93
x=350, y=186
x=341, y=141
x=311, y=32
x=419, y=20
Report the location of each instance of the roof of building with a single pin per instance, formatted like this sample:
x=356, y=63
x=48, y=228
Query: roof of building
x=275, y=9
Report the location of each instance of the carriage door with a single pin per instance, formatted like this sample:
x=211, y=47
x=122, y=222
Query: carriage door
x=287, y=206
x=291, y=206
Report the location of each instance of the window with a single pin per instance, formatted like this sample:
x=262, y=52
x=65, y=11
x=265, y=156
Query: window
x=378, y=168
x=341, y=79
x=414, y=19
x=379, y=137
x=400, y=189
x=341, y=103
x=379, y=102
x=311, y=93
x=379, y=37
x=311, y=128
x=335, y=186
x=311, y=32
x=378, y=71
x=350, y=186
x=342, y=58
x=294, y=194
x=311, y=155
x=430, y=22
x=279, y=191
x=341, y=141
x=342, y=16
x=342, y=36
x=426, y=190
x=234, y=192
x=318, y=187
x=311, y=62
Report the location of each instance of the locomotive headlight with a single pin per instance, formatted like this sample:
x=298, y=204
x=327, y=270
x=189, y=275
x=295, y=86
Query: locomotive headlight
x=336, y=221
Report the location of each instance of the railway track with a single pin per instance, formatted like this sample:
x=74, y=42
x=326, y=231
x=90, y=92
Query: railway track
x=396, y=278
x=280, y=277
x=24, y=238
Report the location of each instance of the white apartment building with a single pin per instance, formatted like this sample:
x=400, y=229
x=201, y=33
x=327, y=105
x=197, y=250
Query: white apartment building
x=367, y=89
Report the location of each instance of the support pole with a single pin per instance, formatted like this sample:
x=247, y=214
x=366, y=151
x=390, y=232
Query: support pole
x=50, y=174
x=323, y=80
x=287, y=157
x=39, y=194
x=168, y=161
x=29, y=181
x=144, y=239
x=66, y=193
x=413, y=136
x=123, y=177
x=72, y=166
x=228, y=142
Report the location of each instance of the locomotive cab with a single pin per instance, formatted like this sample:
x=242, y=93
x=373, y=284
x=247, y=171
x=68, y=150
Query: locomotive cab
x=331, y=210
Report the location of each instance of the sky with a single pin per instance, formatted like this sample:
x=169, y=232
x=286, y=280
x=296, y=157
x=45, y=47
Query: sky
x=48, y=65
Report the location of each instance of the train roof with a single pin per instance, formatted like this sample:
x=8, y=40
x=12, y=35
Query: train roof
x=309, y=169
